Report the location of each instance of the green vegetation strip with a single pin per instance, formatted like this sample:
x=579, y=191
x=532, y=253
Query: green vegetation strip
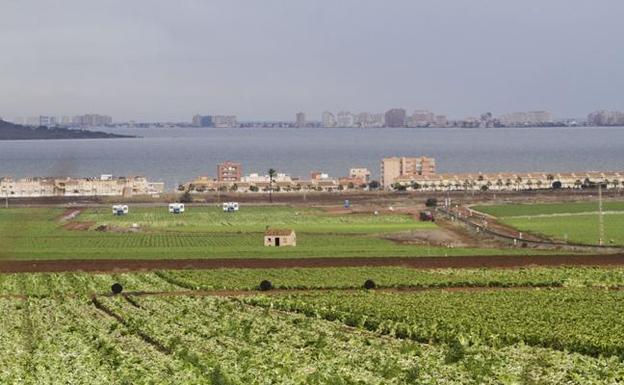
x=62, y=284
x=510, y=210
x=208, y=232
x=586, y=321
x=575, y=222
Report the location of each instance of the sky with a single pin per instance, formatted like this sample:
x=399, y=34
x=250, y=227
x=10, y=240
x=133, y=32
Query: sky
x=151, y=60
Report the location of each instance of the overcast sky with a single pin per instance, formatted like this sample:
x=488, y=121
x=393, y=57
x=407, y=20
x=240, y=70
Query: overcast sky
x=268, y=59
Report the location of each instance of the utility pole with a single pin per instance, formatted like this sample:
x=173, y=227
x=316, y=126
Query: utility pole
x=600, y=216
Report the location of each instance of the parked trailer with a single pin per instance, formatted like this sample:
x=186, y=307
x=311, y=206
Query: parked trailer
x=120, y=209
x=176, y=208
x=229, y=207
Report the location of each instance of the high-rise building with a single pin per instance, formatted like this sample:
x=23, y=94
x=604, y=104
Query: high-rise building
x=361, y=173
x=328, y=119
x=300, y=119
x=345, y=119
x=92, y=120
x=441, y=121
x=526, y=118
x=229, y=172
x=217, y=121
x=606, y=118
x=405, y=168
x=224, y=121
x=421, y=118
x=45, y=121
x=395, y=117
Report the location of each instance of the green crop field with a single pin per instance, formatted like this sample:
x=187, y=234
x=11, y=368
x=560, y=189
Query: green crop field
x=576, y=222
x=55, y=331
x=80, y=283
x=208, y=232
x=585, y=320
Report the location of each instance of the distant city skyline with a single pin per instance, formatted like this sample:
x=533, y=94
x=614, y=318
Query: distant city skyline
x=158, y=60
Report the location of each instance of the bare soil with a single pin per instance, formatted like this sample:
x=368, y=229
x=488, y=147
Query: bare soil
x=113, y=265
x=432, y=237
x=78, y=226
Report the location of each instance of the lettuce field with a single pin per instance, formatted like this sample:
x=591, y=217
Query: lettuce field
x=472, y=326
x=208, y=232
x=575, y=222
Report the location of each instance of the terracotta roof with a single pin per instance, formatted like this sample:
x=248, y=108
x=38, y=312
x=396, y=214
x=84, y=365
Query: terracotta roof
x=279, y=232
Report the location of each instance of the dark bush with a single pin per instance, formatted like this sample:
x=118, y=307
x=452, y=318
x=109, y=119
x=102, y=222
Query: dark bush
x=266, y=285
x=431, y=202
x=369, y=284
x=116, y=288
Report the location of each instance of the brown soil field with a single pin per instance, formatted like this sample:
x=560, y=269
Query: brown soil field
x=112, y=265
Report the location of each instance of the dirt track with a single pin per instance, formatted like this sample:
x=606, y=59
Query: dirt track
x=109, y=265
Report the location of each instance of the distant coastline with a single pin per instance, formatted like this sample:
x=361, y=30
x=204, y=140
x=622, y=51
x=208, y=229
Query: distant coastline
x=10, y=131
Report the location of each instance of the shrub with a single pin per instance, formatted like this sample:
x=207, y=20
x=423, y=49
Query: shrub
x=116, y=288
x=369, y=284
x=266, y=285
x=431, y=202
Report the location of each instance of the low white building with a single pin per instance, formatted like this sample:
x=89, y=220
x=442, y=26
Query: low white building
x=76, y=187
x=511, y=181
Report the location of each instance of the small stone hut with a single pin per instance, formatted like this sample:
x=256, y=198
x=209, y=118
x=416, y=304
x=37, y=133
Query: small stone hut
x=280, y=237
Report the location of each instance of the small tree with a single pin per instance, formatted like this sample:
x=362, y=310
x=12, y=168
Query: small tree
x=399, y=187
x=186, y=197
x=272, y=174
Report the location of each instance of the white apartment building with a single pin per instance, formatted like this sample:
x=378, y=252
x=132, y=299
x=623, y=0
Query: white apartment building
x=345, y=119
x=328, y=119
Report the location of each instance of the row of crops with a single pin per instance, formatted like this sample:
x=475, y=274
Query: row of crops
x=76, y=283
x=207, y=340
x=586, y=321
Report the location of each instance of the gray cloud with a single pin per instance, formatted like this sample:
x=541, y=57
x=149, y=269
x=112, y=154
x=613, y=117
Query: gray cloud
x=147, y=59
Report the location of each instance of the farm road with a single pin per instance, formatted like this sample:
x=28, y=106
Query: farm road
x=119, y=265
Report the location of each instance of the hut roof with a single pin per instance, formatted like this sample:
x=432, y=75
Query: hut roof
x=278, y=232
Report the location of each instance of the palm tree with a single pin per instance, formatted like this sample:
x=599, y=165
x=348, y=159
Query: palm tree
x=272, y=174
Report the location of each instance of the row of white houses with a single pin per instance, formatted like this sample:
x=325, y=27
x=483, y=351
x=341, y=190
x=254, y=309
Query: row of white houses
x=510, y=181
x=105, y=185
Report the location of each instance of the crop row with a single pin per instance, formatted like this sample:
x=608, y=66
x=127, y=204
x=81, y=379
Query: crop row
x=72, y=283
x=587, y=321
x=207, y=340
x=395, y=277
x=256, y=346
x=46, y=341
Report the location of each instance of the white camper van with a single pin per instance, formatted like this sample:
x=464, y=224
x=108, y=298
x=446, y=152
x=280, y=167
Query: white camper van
x=229, y=207
x=120, y=209
x=176, y=208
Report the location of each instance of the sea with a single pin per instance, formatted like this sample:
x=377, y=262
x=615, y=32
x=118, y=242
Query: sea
x=178, y=155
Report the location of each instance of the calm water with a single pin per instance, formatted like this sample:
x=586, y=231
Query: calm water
x=177, y=155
